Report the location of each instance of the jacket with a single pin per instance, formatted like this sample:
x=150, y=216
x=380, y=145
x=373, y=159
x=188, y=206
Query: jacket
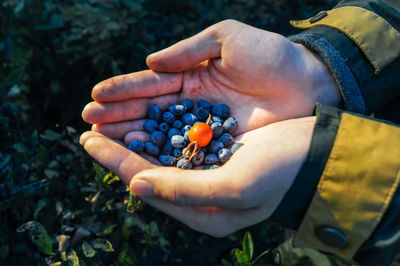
x=346, y=198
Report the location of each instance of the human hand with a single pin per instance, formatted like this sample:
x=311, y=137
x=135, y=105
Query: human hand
x=244, y=191
x=261, y=75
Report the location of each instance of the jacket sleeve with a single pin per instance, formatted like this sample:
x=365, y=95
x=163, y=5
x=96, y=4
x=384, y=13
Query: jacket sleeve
x=360, y=43
x=345, y=199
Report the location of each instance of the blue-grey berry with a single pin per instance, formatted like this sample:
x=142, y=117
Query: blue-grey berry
x=204, y=104
x=198, y=158
x=211, y=158
x=186, y=136
x=184, y=164
x=178, y=141
x=217, y=129
x=157, y=137
x=236, y=146
x=164, y=127
x=202, y=113
x=230, y=125
x=226, y=139
x=177, y=124
x=222, y=110
x=177, y=153
x=150, y=125
x=136, y=146
x=189, y=119
x=215, y=118
x=177, y=109
x=185, y=128
x=167, y=160
x=167, y=148
x=168, y=117
x=154, y=112
x=212, y=166
x=224, y=155
x=214, y=146
x=151, y=148
x=189, y=104
x=174, y=131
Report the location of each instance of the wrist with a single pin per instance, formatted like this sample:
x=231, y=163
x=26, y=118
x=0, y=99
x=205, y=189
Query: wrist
x=324, y=86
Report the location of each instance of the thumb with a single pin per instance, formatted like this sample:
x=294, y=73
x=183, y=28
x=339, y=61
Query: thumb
x=186, y=187
x=186, y=53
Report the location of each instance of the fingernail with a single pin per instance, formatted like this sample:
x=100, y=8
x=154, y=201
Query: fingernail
x=142, y=188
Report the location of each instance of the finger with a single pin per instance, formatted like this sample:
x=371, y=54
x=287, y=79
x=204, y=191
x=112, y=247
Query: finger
x=137, y=85
x=134, y=135
x=214, y=221
x=101, y=113
x=189, y=187
x=89, y=134
x=113, y=156
x=118, y=130
x=186, y=53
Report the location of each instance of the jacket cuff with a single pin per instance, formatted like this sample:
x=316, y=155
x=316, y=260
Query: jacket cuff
x=367, y=37
x=345, y=79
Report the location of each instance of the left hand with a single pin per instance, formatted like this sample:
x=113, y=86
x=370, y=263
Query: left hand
x=244, y=191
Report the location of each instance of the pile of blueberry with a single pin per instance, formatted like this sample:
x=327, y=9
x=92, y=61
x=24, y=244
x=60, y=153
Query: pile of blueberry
x=169, y=134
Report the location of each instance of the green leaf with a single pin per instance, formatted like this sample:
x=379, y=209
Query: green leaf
x=88, y=251
x=259, y=259
x=123, y=256
x=109, y=229
x=102, y=244
x=39, y=206
x=240, y=257
x=72, y=257
x=50, y=135
x=247, y=245
x=39, y=236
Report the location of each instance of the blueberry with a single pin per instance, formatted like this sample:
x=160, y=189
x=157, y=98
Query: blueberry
x=173, y=132
x=178, y=141
x=150, y=125
x=203, y=149
x=151, y=148
x=168, y=117
x=186, y=128
x=230, y=125
x=236, y=146
x=164, y=127
x=212, y=166
x=202, y=114
x=158, y=138
x=226, y=139
x=177, y=109
x=177, y=152
x=224, y=155
x=136, y=146
x=214, y=146
x=177, y=124
x=205, y=104
x=221, y=110
x=217, y=119
x=211, y=158
x=198, y=158
x=167, y=160
x=167, y=148
x=184, y=164
x=189, y=119
x=186, y=136
x=189, y=104
x=217, y=129
x=154, y=112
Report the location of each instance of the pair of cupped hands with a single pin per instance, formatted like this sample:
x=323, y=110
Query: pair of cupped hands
x=271, y=85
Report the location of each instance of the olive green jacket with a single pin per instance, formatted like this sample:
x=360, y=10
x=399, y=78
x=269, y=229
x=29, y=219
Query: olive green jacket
x=345, y=199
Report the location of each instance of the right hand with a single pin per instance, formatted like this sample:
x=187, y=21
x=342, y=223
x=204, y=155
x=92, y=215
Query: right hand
x=261, y=75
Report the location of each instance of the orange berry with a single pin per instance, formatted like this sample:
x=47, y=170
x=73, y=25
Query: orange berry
x=201, y=133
